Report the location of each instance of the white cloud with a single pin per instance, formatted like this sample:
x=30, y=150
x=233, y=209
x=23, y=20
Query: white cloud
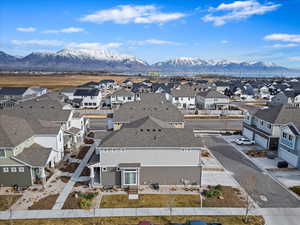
x=237, y=10
x=283, y=37
x=26, y=29
x=295, y=58
x=153, y=42
x=65, y=30
x=124, y=14
x=93, y=45
x=224, y=42
x=290, y=45
x=37, y=42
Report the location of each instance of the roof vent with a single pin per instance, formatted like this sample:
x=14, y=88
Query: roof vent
x=148, y=130
x=141, y=130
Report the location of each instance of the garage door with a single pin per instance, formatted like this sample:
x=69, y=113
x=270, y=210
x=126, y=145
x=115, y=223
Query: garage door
x=263, y=142
x=248, y=133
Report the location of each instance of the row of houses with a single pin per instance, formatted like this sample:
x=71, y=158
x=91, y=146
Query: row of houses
x=276, y=128
x=33, y=137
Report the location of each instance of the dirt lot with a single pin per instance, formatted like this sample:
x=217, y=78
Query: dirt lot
x=230, y=198
x=69, y=167
x=44, y=203
x=8, y=200
x=73, y=202
x=161, y=220
x=55, y=81
x=82, y=152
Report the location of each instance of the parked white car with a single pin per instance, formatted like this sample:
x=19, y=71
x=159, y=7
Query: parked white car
x=244, y=141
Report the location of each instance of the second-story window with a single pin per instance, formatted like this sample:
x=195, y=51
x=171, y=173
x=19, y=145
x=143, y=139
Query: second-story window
x=290, y=137
x=262, y=122
x=2, y=153
x=284, y=135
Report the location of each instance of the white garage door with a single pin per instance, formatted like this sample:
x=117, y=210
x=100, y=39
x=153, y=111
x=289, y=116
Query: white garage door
x=263, y=142
x=248, y=133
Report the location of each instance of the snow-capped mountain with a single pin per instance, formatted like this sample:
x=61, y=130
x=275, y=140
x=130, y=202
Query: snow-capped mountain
x=200, y=65
x=78, y=59
x=104, y=60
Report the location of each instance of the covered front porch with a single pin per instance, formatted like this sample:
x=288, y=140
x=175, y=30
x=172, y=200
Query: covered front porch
x=123, y=176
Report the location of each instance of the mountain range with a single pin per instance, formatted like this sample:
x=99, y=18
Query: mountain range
x=105, y=60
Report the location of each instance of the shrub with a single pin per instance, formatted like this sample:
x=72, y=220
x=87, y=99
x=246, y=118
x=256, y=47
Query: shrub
x=85, y=204
x=213, y=192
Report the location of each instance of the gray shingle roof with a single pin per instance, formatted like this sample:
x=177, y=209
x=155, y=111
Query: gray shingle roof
x=154, y=105
x=13, y=130
x=281, y=114
x=184, y=91
x=122, y=92
x=211, y=94
x=151, y=132
x=42, y=115
x=35, y=155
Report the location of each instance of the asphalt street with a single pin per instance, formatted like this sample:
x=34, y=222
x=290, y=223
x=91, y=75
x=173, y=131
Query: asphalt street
x=266, y=192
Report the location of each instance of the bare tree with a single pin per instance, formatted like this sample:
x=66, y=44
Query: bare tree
x=250, y=182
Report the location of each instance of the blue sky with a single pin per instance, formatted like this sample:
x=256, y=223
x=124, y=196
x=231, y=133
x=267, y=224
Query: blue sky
x=156, y=30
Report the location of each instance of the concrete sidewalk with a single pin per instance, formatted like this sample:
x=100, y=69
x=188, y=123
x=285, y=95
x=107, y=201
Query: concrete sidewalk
x=273, y=216
x=75, y=177
x=116, y=212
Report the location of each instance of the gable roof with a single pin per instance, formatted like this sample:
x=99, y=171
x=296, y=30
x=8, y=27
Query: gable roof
x=42, y=115
x=13, y=130
x=35, y=155
x=151, y=132
x=211, y=94
x=183, y=91
x=87, y=92
x=280, y=114
x=122, y=92
x=13, y=91
x=154, y=105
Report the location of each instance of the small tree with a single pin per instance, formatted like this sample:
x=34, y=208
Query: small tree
x=250, y=182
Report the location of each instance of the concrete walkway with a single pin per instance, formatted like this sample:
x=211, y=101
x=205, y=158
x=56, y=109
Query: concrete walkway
x=68, y=188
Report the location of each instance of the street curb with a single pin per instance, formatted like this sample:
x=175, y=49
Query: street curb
x=266, y=172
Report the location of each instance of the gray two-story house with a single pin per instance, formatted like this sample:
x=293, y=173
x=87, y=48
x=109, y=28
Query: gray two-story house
x=264, y=125
x=147, y=151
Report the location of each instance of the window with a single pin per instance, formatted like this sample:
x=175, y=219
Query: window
x=130, y=177
x=5, y=170
x=2, y=153
x=13, y=169
x=261, y=122
x=284, y=135
x=269, y=126
x=176, y=98
x=21, y=169
x=290, y=137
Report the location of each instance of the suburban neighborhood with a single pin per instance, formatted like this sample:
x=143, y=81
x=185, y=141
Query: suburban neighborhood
x=150, y=143
x=150, y=112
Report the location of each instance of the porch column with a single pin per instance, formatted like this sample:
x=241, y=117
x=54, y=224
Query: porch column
x=92, y=175
x=43, y=176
